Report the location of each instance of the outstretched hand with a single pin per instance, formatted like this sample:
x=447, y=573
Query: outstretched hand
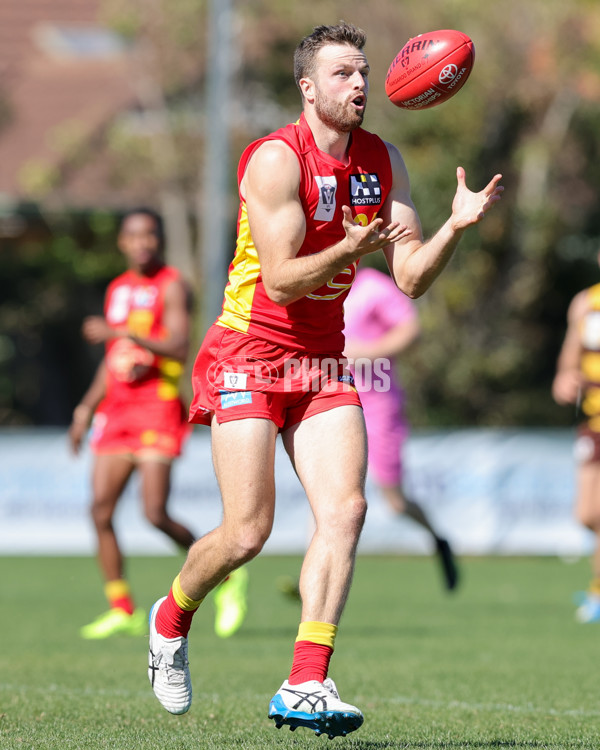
x=567, y=385
x=96, y=330
x=373, y=236
x=76, y=434
x=469, y=207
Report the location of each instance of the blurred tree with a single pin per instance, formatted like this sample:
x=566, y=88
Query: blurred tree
x=49, y=282
x=163, y=141
x=494, y=321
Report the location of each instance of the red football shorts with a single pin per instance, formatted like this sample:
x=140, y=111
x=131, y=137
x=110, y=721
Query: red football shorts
x=237, y=376
x=155, y=427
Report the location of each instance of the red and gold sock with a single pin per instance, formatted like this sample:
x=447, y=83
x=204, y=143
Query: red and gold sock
x=312, y=652
x=174, y=616
x=118, y=594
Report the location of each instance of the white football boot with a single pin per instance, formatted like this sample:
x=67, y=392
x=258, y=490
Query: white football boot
x=168, y=668
x=315, y=705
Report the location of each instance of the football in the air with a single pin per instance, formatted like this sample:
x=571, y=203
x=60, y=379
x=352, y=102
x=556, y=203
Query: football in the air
x=430, y=69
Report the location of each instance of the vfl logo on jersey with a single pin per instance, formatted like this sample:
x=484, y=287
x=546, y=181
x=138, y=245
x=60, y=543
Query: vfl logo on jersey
x=144, y=296
x=326, y=208
x=365, y=190
x=126, y=298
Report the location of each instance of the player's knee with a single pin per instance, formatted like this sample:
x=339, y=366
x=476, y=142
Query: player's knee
x=589, y=517
x=357, y=512
x=157, y=517
x=248, y=541
x=101, y=513
x=346, y=517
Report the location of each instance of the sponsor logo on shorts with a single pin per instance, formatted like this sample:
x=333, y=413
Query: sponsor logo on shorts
x=235, y=398
x=346, y=379
x=241, y=373
x=235, y=380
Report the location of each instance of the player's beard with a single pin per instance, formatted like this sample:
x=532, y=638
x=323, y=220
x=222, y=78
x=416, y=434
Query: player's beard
x=338, y=116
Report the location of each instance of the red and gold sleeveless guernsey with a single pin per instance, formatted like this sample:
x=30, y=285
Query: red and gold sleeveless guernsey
x=315, y=322
x=142, y=411
x=136, y=302
x=590, y=359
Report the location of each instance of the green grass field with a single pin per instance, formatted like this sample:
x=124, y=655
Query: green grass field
x=499, y=664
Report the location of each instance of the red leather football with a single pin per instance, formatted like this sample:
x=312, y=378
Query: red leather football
x=430, y=69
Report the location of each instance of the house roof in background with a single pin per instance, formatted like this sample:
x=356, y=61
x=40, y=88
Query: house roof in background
x=64, y=77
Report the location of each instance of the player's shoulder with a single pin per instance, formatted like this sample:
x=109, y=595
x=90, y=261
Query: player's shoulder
x=399, y=170
x=394, y=153
x=582, y=302
x=174, y=278
x=272, y=169
x=273, y=153
x=122, y=278
x=171, y=272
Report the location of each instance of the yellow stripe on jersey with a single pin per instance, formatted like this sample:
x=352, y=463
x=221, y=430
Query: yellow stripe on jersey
x=139, y=322
x=590, y=366
x=594, y=297
x=170, y=374
x=591, y=401
x=239, y=292
x=589, y=331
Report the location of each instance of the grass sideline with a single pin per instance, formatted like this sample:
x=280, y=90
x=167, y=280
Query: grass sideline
x=499, y=664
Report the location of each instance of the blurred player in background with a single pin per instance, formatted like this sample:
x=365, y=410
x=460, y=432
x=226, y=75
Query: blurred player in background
x=139, y=419
x=380, y=323
x=577, y=381
x=273, y=362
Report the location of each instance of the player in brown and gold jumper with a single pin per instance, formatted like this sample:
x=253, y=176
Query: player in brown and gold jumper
x=577, y=381
x=315, y=196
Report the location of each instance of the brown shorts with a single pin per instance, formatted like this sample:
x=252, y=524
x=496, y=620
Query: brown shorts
x=587, y=445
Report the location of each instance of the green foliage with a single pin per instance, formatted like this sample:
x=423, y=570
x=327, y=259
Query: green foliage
x=48, y=284
x=499, y=664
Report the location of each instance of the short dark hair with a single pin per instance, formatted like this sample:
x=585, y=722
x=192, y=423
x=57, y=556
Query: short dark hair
x=154, y=215
x=306, y=51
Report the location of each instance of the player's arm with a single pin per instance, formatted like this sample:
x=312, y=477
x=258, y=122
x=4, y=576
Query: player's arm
x=568, y=379
x=413, y=262
x=270, y=189
x=176, y=323
x=84, y=411
x=394, y=341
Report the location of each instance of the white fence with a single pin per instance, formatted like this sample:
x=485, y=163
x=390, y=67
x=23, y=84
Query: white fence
x=490, y=491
